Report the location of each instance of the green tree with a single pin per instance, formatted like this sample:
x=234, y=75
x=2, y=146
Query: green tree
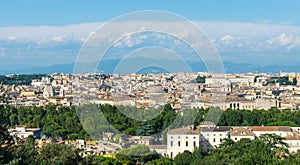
x=136, y=154
x=130, y=131
x=6, y=144
x=184, y=158
x=294, y=81
x=292, y=159
x=226, y=143
x=144, y=129
x=275, y=142
x=59, y=154
x=99, y=160
x=245, y=151
x=26, y=153
x=3, y=94
x=161, y=161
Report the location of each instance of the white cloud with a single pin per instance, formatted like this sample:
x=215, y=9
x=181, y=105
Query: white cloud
x=58, y=38
x=227, y=36
x=218, y=31
x=12, y=38
x=282, y=39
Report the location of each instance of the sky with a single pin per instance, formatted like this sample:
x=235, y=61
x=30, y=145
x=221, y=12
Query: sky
x=41, y=33
x=57, y=12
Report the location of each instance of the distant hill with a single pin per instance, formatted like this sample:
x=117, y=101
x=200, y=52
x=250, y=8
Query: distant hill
x=153, y=70
x=108, y=66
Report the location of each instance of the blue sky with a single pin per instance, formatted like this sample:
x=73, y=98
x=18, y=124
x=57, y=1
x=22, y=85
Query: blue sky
x=58, y=12
x=41, y=33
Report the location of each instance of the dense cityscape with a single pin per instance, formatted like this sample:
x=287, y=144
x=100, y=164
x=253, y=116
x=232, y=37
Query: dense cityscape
x=255, y=107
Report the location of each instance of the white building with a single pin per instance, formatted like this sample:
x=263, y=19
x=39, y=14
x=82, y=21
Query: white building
x=293, y=141
x=277, y=130
x=48, y=91
x=181, y=139
x=37, y=83
x=208, y=136
x=238, y=133
x=213, y=136
x=188, y=138
x=23, y=132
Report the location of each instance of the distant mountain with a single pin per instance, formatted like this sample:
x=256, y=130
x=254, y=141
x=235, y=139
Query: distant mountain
x=153, y=70
x=108, y=66
x=245, y=68
x=60, y=68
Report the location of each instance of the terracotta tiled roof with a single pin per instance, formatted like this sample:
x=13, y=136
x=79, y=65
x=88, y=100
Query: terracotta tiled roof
x=271, y=128
x=184, y=131
x=293, y=137
x=216, y=129
x=157, y=146
x=240, y=131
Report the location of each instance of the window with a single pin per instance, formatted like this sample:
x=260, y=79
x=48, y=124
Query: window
x=235, y=138
x=214, y=140
x=186, y=143
x=171, y=154
x=194, y=143
x=214, y=134
x=220, y=140
x=178, y=143
x=171, y=143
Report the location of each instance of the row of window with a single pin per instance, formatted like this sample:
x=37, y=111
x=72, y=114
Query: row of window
x=186, y=143
x=194, y=143
x=185, y=137
x=214, y=134
x=195, y=137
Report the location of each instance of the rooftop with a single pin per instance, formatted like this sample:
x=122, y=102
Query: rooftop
x=271, y=128
x=240, y=131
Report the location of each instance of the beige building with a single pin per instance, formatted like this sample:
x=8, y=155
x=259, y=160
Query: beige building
x=278, y=130
x=293, y=140
x=239, y=133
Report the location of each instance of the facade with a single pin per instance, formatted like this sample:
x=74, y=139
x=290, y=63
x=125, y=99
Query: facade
x=48, y=91
x=213, y=136
x=208, y=136
x=181, y=139
x=239, y=133
x=278, y=130
x=293, y=141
